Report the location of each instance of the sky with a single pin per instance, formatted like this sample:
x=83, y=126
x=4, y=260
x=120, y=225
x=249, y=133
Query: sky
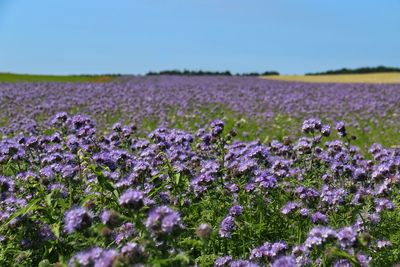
x=137, y=36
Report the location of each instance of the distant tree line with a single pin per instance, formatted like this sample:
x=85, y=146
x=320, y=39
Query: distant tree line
x=96, y=75
x=209, y=73
x=265, y=73
x=357, y=71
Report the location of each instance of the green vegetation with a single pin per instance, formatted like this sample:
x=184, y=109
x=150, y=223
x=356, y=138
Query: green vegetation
x=12, y=78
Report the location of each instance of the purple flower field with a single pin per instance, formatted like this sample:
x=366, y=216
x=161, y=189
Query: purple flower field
x=176, y=100
x=140, y=172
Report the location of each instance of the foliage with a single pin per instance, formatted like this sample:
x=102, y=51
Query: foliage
x=12, y=77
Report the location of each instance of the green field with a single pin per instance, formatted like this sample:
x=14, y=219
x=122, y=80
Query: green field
x=12, y=78
x=341, y=78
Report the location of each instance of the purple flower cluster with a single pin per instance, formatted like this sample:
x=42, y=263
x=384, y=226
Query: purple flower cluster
x=268, y=250
x=138, y=98
x=94, y=257
x=163, y=220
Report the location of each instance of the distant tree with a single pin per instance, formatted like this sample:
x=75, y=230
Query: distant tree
x=362, y=70
x=266, y=73
x=270, y=73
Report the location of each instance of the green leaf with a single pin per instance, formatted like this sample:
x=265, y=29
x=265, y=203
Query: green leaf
x=177, y=178
x=49, y=198
x=55, y=228
x=44, y=263
x=21, y=212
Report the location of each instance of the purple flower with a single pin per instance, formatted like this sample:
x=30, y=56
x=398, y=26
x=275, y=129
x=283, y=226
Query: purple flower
x=95, y=257
x=341, y=128
x=132, y=252
x=6, y=184
x=375, y=218
x=109, y=217
x=363, y=260
x=69, y=171
x=227, y=227
x=289, y=207
x=223, y=261
x=383, y=204
x=77, y=219
x=304, y=212
x=332, y=196
x=319, y=217
x=383, y=244
x=342, y=263
x=236, y=210
x=59, y=118
x=232, y=188
x=305, y=192
x=285, y=261
x=326, y=130
x=163, y=220
x=132, y=199
x=242, y=263
x=310, y=125
x=346, y=237
x=265, y=180
x=268, y=250
x=124, y=232
x=45, y=233
x=319, y=235
x=217, y=127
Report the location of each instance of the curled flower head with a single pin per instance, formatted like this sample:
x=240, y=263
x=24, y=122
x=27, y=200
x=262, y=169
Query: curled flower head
x=341, y=128
x=310, y=125
x=383, y=204
x=223, y=261
x=346, y=237
x=319, y=217
x=109, y=217
x=236, y=210
x=124, y=232
x=268, y=250
x=217, y=127
x=227, y=227
x=94, y=257
x=59, y=118
x=383, y=244
x=285, y=261
x=290, y=207
x=132, y=199
x=163, y=220
x=319, y=235
x=342, y=263
x=132, y=252
x=326, y=130
x=77, y=219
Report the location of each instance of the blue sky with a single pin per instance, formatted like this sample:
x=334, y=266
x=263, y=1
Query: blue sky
x=135, y=36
